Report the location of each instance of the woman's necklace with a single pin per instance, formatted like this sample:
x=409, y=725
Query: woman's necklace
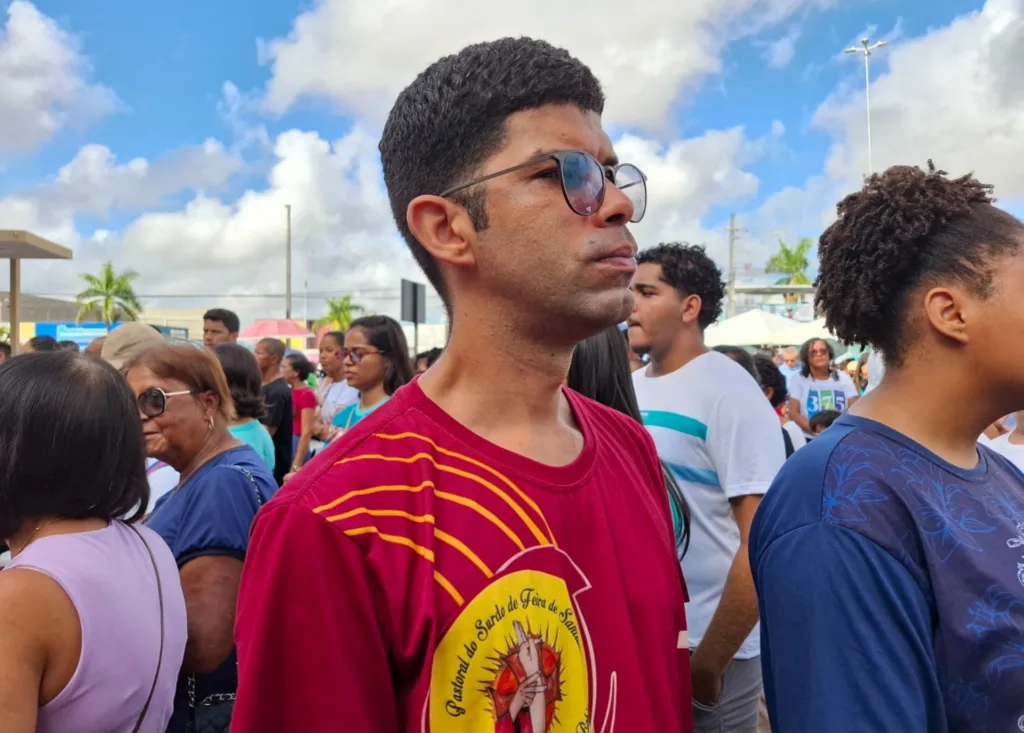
x=32, y=536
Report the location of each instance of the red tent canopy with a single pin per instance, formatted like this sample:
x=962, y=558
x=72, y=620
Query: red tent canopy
x=274, y=328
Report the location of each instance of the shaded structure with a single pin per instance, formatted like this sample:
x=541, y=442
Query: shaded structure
x=15, y=246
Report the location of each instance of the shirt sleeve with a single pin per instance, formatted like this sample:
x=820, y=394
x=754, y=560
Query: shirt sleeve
x=304, y=400
x=745, y=443
x=219, y=516
x=308, y=632
x=846, y=637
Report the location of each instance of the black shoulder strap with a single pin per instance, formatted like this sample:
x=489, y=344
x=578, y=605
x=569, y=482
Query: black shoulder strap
x=160, y=656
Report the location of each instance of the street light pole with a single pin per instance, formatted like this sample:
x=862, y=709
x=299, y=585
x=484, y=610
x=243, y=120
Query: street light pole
x=288, y=264
x=865, y=49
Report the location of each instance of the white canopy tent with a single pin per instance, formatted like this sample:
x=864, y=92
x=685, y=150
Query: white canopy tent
x=753, y=328
x=801, y=332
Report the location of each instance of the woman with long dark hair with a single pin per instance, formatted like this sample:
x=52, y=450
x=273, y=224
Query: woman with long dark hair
x=818, y=385
x=376, y=358
x=600, y=369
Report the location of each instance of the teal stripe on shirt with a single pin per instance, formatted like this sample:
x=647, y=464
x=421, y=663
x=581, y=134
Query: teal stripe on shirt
x=694, y=475
x=674, y=421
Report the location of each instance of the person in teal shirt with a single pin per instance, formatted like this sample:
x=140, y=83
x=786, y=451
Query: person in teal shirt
x=246, y=386
x=376, y=358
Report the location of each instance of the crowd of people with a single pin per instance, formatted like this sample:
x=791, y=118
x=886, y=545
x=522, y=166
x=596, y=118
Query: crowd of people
x=576, y=516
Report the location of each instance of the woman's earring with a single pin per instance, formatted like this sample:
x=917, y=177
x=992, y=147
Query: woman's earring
x=209, y=424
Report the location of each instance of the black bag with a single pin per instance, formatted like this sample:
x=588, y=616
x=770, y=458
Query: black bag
x=212, y=714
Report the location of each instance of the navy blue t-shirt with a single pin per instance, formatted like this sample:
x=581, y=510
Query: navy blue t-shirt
x=210, y=514
x=891, y=588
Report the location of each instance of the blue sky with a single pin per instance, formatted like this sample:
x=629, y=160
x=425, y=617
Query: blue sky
x=784, y=81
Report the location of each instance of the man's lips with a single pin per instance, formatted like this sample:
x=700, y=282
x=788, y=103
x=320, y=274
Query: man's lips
x=621, y=258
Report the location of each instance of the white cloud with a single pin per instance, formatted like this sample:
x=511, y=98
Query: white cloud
x=93, y=182
x=44, y=80
x=657, y=52
x=954, y=95
x=780, y=52
x=344, y=237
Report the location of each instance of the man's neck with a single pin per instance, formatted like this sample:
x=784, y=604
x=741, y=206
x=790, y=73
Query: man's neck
x=506, y=390
x=686, y=347
x=271, y=375
x=908, y=403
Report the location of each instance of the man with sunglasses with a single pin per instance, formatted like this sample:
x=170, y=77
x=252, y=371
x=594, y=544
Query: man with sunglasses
x=488, y=550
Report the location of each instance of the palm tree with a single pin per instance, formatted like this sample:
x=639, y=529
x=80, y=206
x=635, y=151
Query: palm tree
x=791, y=263
x=340, y=312
x=110, y=294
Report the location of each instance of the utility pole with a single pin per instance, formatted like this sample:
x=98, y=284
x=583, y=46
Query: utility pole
x=866, y=48
x=288, y=264
x=731, y=282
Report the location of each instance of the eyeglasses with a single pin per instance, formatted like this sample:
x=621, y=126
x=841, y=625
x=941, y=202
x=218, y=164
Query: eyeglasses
x=818, y=352
x=153, y=401
x=358, y=353
x=583, y=181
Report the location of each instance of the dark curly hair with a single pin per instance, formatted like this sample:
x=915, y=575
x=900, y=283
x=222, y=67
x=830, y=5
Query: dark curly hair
x=452, y=117
x=771, y=378
x=688, y=269
x=905, y=228
x=805, y=358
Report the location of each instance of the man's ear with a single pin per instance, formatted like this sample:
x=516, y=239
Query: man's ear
x=443, y=228
x=689, y=309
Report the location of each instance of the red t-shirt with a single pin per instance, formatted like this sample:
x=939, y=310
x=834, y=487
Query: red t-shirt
x=416, y=577
x=303, y=398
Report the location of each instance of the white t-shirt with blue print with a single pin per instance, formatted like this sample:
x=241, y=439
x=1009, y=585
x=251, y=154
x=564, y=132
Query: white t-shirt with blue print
x=720, y=437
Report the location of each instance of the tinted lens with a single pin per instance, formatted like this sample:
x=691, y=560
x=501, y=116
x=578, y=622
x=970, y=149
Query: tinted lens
x=630, y=181
x=583, y=181
x=152, y=403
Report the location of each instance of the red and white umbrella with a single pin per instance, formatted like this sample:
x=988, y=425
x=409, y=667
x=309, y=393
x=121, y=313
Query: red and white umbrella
x=279, y=328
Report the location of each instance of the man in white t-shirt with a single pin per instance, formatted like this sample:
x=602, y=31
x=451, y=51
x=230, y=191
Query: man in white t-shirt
x=721, y=440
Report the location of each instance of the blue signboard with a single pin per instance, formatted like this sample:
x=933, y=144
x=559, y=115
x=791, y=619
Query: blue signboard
x=80, y=333
x=83, y=333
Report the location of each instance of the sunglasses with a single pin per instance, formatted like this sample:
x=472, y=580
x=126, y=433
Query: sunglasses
x=583, y=181
x=153, y=401
x=358, y=353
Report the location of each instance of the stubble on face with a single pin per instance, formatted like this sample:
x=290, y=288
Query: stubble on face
x=536, y=258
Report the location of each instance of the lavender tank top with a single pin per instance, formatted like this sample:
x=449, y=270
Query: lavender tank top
x=108, y=575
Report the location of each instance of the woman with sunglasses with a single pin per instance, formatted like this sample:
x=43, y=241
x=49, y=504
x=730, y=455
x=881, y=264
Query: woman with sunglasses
x=186, y=408
x=376, y=358
x=818, y=386
x=92, y=629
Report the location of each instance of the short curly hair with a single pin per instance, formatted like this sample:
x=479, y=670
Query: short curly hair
x=688, y=269
x=905, y=228
x=451, y=119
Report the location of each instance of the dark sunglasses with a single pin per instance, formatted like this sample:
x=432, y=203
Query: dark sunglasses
x=358, y=353
x=583, y=181
x=153, y=401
